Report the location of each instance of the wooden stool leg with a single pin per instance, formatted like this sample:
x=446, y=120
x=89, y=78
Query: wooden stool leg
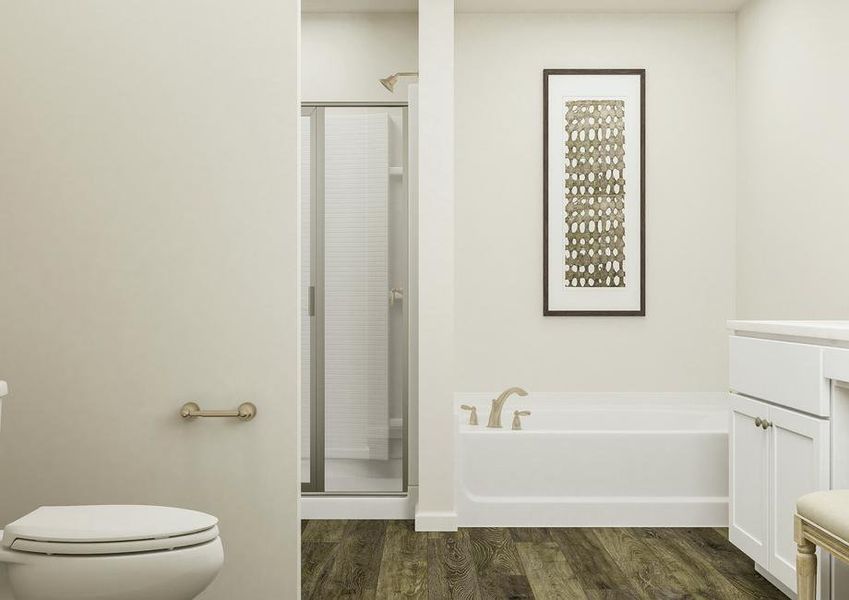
x=806, y=570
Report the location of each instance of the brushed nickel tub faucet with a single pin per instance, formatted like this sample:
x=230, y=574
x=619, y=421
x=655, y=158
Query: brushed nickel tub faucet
x=498, y=404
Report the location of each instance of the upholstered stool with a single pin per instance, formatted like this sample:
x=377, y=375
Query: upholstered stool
x=822, y=519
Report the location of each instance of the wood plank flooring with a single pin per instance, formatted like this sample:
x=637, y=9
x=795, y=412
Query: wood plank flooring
x=377, y=560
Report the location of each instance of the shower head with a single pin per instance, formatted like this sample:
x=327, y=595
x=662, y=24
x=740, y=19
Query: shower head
x=390, y=81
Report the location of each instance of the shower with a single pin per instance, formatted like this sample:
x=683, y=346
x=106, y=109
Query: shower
x=391, y=81
x=354, y=282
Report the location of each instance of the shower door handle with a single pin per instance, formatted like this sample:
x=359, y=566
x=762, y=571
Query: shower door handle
x=395, y=295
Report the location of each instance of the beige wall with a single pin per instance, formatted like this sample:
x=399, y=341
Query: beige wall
x=148, y=253
x=793, y=200
x=501, y=337
x=344, y=55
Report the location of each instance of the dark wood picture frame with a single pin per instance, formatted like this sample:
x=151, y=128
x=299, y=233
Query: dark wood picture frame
x=641, y=312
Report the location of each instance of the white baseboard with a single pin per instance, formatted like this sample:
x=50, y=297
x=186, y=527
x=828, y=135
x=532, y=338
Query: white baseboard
x=436, y=520
x=358, y=507
x=597, y=512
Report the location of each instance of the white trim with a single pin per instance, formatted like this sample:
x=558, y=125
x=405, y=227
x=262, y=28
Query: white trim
x=435, y=520
x=821, y=331
x=680, y=401
x=717, y=399
x=597, y=512
x=835, y=365
x=412, y=304
x=358, y=507
x=435, y=289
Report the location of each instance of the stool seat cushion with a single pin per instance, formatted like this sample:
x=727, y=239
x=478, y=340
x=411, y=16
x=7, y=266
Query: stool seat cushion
x=828, y=510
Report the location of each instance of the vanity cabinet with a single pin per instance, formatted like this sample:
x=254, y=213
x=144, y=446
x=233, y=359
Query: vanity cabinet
x=779, y=449
x=776, y=455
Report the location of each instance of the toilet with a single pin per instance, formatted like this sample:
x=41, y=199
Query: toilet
x=114, y=552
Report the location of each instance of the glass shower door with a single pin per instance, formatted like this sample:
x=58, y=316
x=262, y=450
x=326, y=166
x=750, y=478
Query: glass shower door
x=355, y=424
x=311, y=461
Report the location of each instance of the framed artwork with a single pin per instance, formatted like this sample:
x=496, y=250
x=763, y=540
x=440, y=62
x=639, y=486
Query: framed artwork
x=594, y=192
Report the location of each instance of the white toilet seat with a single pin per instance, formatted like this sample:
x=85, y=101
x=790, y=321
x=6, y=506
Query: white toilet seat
x=116, y=547
x=107, y=524
x=115, y=552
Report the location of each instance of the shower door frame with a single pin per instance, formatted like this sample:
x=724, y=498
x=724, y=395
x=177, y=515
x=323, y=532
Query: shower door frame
x=316, y=302
x=316, y=485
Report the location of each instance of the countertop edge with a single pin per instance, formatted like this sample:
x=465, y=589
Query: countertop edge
x=824, y=330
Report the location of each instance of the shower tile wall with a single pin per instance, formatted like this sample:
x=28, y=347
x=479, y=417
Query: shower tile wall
x=356, y=286
x=362, y=204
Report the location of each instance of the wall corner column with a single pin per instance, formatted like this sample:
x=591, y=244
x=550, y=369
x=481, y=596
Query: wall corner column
x=435, y=510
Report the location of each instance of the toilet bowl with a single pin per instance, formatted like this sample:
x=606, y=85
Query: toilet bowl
x=111, y=552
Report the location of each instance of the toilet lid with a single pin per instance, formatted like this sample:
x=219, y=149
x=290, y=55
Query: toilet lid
x=105, y=524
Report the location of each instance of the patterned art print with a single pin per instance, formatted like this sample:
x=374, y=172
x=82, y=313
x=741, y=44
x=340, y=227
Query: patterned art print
x=594, y=194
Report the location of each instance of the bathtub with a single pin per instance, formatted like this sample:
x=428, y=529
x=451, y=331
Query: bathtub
x=627, y=460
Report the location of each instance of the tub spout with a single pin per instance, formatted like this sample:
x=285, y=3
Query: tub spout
x=498, y=404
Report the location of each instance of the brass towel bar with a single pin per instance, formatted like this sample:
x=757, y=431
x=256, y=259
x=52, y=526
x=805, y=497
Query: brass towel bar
x=245, y=412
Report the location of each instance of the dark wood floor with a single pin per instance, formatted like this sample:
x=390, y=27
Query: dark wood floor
x=388, y=559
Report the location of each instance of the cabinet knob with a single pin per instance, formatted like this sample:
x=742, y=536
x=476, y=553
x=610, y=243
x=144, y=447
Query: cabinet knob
x=759, y=422
x=766, y=424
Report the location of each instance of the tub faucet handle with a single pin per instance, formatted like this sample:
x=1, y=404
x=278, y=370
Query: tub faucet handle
x=473, y=416
x=517, y=421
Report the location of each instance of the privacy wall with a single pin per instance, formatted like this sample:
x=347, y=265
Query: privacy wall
x=148, y=257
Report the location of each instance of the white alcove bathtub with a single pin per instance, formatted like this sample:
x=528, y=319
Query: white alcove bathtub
x=627, y=460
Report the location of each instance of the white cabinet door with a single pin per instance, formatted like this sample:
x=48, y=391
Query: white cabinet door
x=798, y=465
x=749, y=478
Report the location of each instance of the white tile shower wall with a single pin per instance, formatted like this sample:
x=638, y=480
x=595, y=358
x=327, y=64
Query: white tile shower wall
x=356, y=285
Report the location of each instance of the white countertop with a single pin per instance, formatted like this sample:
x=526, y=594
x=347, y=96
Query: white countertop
x=822, y=330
